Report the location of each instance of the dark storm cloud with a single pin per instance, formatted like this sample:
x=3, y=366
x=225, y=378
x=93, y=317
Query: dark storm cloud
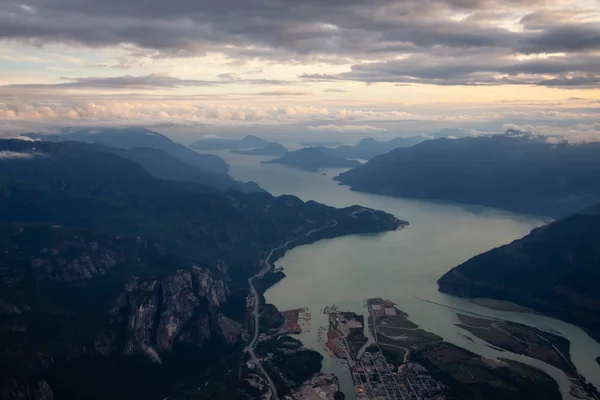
x=474, y=71
x=333, y=31
x=559, y=38
x=343, y=26
x=575, y=83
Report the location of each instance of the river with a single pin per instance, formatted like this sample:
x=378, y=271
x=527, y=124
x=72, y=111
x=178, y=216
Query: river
x=402, y=266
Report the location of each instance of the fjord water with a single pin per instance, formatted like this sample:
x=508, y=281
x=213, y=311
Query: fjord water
x=402, y=266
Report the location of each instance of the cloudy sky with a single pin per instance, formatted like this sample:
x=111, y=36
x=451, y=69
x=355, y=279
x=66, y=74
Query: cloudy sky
x=328, y=67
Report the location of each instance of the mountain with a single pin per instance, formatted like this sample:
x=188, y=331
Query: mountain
x=271, y=149
x=128, y=138
x=516, y=172
x=320, y=143
x=165, y=166
x=116, y=284
x=313, y=158
x=554, y=270
x=248, y=142
x=369, y=147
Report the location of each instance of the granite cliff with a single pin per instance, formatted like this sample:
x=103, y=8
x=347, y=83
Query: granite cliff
x=149, y=316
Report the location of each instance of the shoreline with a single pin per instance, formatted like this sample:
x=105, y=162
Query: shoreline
x=503, y=305
x=255, y=298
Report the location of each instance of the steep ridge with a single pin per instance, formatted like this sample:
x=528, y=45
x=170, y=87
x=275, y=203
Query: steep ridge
x=163, y=165
x=129, y=138
x=517, y=172
x=554, y=270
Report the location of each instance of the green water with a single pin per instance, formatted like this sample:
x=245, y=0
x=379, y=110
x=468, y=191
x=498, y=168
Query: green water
x=402, y=266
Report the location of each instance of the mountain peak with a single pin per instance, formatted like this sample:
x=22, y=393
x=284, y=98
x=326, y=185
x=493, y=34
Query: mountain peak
x=368, y=141
x=251, y=137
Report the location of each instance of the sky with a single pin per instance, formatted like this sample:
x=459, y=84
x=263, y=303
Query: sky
x=315, y=68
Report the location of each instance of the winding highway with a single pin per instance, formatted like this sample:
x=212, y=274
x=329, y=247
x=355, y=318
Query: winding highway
x=266, y=268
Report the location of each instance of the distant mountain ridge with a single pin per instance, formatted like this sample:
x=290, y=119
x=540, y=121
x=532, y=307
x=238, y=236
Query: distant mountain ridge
x=517, y=172
x=313, y=158
x=128, y=138
x=271, y=149
x=248, y=142
x=158, y=154
x=554, y=270
x=369, y=147
x=163, y=165
x=326, y=143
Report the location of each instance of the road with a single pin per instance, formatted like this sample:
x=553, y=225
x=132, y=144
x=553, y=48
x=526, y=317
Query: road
x=266, y=268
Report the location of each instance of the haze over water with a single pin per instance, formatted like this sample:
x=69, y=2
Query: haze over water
x=402, y=266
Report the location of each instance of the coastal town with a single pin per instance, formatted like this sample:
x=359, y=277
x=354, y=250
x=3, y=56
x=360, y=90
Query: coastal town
x=375, y=378
x=382, y=355
x=377, y=373
x=373, y=375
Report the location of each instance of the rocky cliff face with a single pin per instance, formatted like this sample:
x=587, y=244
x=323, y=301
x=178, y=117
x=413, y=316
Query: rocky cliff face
x=168, y=302
x=151, y=315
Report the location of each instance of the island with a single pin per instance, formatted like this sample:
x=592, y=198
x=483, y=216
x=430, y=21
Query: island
x=521, y=339
x=313, y=158
x=271, y=149
x=470, y=376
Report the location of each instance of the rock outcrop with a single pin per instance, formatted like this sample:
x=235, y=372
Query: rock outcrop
x=84, y=260
x=151, y=315
x=213, y=289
